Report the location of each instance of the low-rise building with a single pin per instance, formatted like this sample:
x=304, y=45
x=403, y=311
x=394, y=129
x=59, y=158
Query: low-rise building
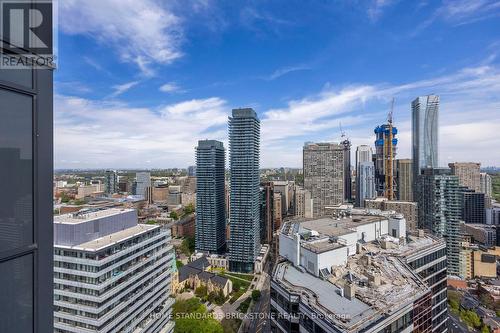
x=196, y=274
x=482, y=234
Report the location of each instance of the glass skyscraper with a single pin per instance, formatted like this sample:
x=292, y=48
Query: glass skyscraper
x=210, y=197
x=26, y=175
x=440, y=210
x=425, y=117
x=244, y=153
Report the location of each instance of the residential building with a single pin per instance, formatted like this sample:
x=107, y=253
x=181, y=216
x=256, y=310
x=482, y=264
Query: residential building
x=473, y=207
x=366, y=183
x=143, y=180
x=111, y=182
x=324, y=174
x=26, y=209
x=404, y=179
x=478, y=262
x=482, y=234
x=468, y=174
x=303, y=203
x=210, y=201
x=116, y=278
x=363, y=154
x=244, y=155
x=440, y=210
x=174, y=195
x=425, y=120
x=382, y=153
x=186, y=227
x=278, y=211
x=493, y=214
x=485, y=185
x=191, y=171
x=283, y=188
x=407, y=208
x=266, y=212
x=346, y=144
x=88, y=190
x=331, y=277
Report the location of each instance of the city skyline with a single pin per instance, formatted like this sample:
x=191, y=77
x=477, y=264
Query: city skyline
x=148, y=108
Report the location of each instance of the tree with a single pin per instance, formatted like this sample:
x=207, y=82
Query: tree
x=256, y=295
x=201, y=291
x=185, y=322
x=485, y=329
x=174, y=215
x=189, y=209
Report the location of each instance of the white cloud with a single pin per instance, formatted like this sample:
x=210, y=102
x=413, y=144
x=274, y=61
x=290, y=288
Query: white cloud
x=122, y=88
x=143, y=32
x=170, y=87
x=113, y=134
x=284, y=71
x=377, y=7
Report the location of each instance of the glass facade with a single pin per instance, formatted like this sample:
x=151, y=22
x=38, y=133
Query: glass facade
x=210, y=197
x=425, y=117
x=244, y=156
x=26, y=170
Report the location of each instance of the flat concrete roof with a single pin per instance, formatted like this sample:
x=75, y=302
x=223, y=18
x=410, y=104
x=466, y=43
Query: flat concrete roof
x=332, y=227
x=88, y=215
x=117, y=237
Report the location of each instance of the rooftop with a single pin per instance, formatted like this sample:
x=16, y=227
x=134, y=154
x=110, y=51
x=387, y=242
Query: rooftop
x=88, y=215
x=383, y=283
x=114, y=238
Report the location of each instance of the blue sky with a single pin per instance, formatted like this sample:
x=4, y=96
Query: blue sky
x=139, y=82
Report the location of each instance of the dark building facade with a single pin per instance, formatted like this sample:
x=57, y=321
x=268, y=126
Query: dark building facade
x=26, y=173
x=210, y=199
x=473, y=207
x=266, y=212
x=244, y=157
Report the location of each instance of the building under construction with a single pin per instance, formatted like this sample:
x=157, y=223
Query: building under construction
x=385, y=156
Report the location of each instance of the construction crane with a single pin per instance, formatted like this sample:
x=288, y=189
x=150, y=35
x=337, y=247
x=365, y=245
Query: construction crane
x=389, y=158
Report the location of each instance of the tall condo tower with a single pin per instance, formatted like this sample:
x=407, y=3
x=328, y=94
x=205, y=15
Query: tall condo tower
x=324, y=174
x=364, y=154
x=210, y=199
x=244, y=153
x=425, y=117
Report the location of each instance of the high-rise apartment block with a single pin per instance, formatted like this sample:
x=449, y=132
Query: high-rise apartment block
x=440, y=210
x=267, y=212
x=404, y=179
x=468, y=174
x=143, y=181
x=342, y=275
x=347, y=170
x=425, y=119
x=485, y=185
x=244, y=155
x=26, y=178
x=111, y=182
x=210, y=200
x=111, y=274
x=303, y=203
x=365, y=183
x=473, y=206
x=364, y=153
x=324, y=174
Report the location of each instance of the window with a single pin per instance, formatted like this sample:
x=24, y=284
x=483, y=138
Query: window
x=16, y=170
x=16, y=288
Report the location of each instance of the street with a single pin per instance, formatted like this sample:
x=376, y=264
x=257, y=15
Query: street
x=455, y=325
